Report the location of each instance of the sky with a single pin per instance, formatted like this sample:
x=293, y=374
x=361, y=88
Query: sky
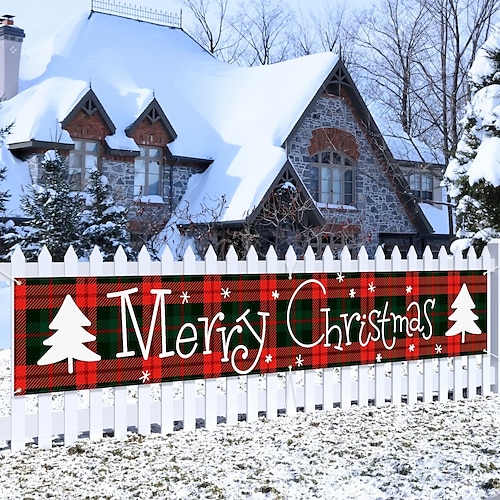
x=40, y=17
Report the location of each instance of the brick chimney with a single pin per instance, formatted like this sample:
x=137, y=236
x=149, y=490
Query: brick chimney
x=11, y=38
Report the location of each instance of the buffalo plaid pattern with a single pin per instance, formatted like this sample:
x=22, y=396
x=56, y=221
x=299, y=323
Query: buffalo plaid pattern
x=311, y=321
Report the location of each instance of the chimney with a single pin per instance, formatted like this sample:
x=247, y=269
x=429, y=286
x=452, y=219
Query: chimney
x=11, y=38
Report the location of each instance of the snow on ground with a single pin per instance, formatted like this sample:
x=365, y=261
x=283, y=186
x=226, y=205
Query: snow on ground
x=430, y=450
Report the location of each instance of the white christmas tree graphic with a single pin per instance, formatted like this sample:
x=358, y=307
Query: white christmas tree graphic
x=67, y=342
x=465, y=319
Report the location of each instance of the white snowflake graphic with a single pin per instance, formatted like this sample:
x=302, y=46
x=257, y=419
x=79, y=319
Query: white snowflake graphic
x=268, y=358
x=185, y=297
x=275, y=294
x=378, y=358
x=438, y=348
x=145, y=376
x=340, y=277
x=371, y=287
x=299, y=360
x=411, y=347
x=409, y=289
x=352, y=293
x=225, y=293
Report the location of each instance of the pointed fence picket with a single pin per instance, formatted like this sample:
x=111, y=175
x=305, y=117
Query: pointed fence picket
x=168, y=406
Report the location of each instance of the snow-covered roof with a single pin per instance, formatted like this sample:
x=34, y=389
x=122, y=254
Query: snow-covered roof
x=239, y=117
x=438, y=217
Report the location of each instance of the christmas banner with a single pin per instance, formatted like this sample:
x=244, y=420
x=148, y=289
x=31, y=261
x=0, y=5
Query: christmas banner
x=89, y=332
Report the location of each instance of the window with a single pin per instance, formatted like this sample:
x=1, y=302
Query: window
x=421, y=186
x=82, y=160
x=336, y=178
x=147, y=171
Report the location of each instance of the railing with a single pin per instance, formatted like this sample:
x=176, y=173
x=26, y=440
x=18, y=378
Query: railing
x=168, y=406
x=150, y=15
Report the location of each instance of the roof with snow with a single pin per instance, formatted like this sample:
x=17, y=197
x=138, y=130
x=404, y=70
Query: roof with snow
x=218, y=111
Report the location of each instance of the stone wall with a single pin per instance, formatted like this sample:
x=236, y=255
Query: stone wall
x=120, y=173
x=377, y=208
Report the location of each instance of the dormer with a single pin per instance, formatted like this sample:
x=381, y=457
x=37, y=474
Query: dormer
x=152, y=127
x=88, y=119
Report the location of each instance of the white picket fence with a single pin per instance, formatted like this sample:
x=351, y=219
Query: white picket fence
x=169, y=406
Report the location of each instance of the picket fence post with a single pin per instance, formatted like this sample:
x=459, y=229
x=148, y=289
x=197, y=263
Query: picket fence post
x=271, y=378
x=167, y=388
x=362, y=265
x=494, y=308
x=397, y=265
x=328, y=374
x=211, y=399
x=70, y=397
x=252, y=394
x=18, y=403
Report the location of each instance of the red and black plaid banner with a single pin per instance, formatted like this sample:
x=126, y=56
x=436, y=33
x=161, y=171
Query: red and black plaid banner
x=88, y=332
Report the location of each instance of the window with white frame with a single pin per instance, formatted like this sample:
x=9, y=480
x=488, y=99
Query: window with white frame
x=336, y=175
x=82, y=160
x=421, y=185
x=147, y=171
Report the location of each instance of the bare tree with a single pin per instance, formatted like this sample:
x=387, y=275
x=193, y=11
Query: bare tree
x=391, y=37
x=416, y=54
x=213, y=30
x=461, y=26
x=336, y=29
x=263, y=24
x=284, y=220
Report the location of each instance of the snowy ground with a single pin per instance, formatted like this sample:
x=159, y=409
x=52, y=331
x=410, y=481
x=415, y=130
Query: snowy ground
x=436, y=450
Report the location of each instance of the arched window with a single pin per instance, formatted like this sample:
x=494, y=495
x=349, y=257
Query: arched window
x=336, y=177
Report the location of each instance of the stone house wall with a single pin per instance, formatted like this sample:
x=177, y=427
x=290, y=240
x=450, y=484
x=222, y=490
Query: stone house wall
x=120, y=173
x=377, y=208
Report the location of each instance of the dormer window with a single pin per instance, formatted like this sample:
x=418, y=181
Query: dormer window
x=336, y=174
x=82, y=160
x=147, y=171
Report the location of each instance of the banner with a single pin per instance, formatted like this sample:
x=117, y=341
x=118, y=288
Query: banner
x=89, y=332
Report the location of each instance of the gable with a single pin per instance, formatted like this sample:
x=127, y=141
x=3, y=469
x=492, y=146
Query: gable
x=339, y=85
x=88, y=119
x=288, y=175
x=152, y=127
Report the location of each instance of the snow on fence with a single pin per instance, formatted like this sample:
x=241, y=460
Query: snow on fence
x=168, y=406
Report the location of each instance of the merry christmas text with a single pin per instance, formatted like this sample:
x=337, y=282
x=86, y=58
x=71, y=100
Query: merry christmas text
x=336, y=330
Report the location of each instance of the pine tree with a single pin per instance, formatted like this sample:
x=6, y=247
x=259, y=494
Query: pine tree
x=5, y=225
x=475, y=185
x=104, y=223
x=54, y=214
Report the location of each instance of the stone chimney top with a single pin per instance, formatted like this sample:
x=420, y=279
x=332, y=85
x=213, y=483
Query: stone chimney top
x=7, y=20
x=11, y=39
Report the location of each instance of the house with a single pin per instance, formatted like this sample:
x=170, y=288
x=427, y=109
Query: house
x=189, y=139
